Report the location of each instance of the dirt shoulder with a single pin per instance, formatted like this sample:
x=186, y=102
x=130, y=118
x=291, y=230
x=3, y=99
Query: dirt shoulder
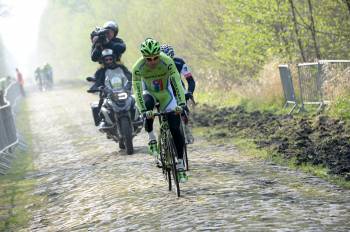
x=318, y=141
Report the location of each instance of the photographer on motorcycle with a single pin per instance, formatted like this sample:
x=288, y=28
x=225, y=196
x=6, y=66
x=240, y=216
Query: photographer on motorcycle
x=109, y=62
x=106, y=38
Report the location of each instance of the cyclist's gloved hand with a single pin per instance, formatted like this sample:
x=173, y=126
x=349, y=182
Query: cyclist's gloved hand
x=178, y=109
x=149, y=114
x=188, y=96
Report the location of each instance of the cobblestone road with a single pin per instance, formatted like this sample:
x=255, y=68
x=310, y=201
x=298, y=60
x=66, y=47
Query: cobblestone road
x=89, y=185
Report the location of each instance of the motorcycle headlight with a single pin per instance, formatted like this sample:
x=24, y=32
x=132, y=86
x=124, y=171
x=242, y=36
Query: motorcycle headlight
x=119, y=96
x=122, y=96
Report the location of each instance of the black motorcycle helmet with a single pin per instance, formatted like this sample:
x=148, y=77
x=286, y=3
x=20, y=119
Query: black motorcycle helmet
x=111, y=25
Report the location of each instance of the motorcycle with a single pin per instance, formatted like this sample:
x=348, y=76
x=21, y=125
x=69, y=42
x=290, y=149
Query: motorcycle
x=118, y=110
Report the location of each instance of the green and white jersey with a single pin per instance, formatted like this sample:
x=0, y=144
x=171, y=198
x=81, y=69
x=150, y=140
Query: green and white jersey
x=157, y=82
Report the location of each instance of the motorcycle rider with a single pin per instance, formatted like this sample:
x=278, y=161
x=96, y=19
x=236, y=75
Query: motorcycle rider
x=151, y=78
x=109, y=61
x=185, y=72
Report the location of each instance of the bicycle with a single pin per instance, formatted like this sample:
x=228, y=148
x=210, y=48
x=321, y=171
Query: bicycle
x=167, y=152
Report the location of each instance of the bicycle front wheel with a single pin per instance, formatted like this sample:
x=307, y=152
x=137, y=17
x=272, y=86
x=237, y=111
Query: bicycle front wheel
x=165, y=167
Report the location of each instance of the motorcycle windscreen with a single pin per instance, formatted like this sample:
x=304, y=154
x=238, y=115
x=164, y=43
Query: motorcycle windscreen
x=115, y=78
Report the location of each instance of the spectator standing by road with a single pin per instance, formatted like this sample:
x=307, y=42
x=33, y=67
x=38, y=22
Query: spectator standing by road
x=20, y=81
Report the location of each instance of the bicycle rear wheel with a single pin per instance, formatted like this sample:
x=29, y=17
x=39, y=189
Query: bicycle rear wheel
x=172, y=153
x=186, y=158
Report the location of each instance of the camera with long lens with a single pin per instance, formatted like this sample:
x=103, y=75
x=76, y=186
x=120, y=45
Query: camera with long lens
x=101, y=33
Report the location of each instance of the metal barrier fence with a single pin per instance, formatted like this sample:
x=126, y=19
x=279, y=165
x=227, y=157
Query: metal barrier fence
x=287, y=84
x=334, y=78
x=8, y=133
x=319, y=82
x=310, y=84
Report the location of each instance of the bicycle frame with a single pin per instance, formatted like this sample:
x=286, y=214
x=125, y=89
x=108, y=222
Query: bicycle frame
x=164, y=137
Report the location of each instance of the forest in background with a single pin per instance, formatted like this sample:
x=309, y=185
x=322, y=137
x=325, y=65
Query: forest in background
x=66, y=26
x=232, y=38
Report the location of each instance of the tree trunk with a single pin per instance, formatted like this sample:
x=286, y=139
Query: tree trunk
x=302, y=53
x=347, y=2
x=280, y=29
x=313, y=32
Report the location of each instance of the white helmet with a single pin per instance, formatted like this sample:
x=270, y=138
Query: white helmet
x=107, y=52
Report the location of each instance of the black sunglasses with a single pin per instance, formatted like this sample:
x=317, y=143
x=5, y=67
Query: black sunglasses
x=152, y=58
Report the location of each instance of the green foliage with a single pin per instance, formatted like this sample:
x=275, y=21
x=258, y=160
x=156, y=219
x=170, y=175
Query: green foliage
x=221, y=40
x=67, y=25
x=332, y=21
x=341, y=107
x=253, y=31
x=217, y=98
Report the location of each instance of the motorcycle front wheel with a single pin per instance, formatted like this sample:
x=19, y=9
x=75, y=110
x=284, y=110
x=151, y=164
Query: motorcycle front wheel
x=126, y=130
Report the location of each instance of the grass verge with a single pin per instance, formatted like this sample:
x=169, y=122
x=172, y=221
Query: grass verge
x=15, y=189
x=219, y=99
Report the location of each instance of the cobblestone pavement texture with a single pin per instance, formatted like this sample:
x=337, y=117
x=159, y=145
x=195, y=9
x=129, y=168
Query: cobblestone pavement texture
x=90, y=185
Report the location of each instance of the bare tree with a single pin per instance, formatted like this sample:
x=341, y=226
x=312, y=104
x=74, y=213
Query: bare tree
x=302, y=53
x=347, y=2
x=313, y=31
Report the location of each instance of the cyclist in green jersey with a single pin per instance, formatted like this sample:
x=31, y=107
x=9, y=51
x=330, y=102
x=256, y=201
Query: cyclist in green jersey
x=152, y=76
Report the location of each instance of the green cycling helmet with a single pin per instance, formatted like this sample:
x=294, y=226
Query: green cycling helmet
x=150, y=47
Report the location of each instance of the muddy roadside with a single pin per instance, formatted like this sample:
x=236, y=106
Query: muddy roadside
x=317, y=140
